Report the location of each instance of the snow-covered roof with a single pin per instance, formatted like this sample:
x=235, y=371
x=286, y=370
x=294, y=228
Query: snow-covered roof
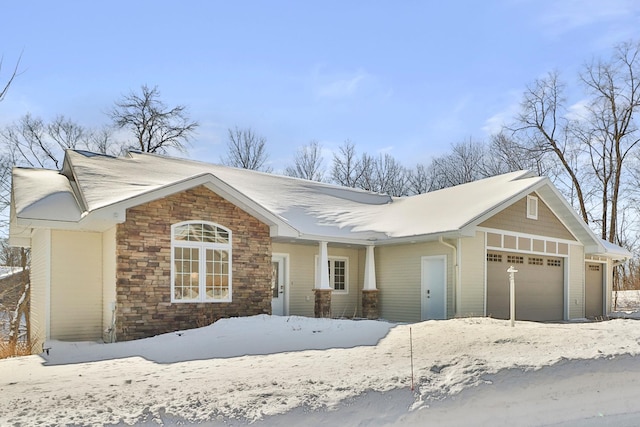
x=94, y=190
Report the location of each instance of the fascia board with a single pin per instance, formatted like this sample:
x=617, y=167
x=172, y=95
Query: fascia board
x=334, y=239
x=68, y=165
x=423, y=238
x=575, y=218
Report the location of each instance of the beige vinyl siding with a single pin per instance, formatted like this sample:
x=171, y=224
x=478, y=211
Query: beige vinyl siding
x=302, y=270
x=514, y=218
x=40, y=275
x=472, y=274
x=398, y=273
x=76, y=285
x=108, y=278
x=576, y=282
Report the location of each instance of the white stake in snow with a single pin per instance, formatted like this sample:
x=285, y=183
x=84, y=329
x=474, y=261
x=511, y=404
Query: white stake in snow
x=411, y=349
x=512, y=294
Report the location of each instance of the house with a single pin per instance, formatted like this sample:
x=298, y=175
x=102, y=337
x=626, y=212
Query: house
x=133, y=246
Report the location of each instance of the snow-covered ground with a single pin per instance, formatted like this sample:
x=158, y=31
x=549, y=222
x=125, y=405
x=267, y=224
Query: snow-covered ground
x=627, y=302
x=303, y=371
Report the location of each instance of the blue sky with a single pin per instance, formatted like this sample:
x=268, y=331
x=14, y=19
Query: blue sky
x=404, y=77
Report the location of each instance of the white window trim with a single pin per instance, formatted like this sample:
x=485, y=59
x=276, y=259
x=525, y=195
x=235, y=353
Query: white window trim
x=331, y=259
x=202, y=246
x=532, y=202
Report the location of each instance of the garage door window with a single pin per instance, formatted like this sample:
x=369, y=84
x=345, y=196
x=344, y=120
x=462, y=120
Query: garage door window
x=494, y=257
x=515, y=259
x=554, y=263
x=536, y=261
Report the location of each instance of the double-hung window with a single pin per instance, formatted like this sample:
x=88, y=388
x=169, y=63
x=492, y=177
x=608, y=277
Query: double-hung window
x=338, y=274
x=201, y=262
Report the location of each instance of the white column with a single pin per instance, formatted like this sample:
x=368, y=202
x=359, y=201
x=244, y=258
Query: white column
x=370, y=270
x=322, y=269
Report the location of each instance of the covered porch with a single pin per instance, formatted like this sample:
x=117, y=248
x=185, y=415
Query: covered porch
x=324, y=279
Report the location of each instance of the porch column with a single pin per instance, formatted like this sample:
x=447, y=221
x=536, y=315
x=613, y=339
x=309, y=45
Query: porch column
x=322, y=288
x=370, y=291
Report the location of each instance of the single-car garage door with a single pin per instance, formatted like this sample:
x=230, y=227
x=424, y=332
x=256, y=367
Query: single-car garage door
x=593, y=290
x=539, y=286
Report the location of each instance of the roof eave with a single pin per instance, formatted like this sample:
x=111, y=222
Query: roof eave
x=116, y=212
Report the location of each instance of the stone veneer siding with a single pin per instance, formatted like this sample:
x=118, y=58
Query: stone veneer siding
x=322, y=306
x=144, y=306
x=370, y=304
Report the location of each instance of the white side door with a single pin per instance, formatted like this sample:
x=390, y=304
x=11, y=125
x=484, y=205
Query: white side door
x=434, y=285
x=278, y=282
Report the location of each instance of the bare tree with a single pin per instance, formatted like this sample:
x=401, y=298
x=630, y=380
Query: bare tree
x=14, y=73
x=505, y=155
x=307, y=163
x=593, y=145
x=25, y=143
x=347, y=169
x=420, y=179
x=542, y=127
x=389, y=176
x=155, y=127
x=383, y=174
x=246, y=150
x=465, y=163
x=612, y=131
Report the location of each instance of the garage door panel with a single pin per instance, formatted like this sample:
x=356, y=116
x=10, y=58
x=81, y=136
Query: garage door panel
x=539, y=286
x=594, y=290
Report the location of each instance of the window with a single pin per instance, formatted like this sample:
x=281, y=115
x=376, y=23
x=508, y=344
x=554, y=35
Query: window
x=554, y=263
x=494, y=257
x=536, y=261
x=532, y=207
x=515, y=259
x=201, y=262
x=338, y=274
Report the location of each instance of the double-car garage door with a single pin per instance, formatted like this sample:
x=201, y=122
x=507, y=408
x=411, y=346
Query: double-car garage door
x=539, y=286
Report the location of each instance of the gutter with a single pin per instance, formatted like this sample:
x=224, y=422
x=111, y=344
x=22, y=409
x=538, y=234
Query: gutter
x=456, y=277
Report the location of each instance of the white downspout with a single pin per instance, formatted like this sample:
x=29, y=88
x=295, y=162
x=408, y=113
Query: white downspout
x=456, y=277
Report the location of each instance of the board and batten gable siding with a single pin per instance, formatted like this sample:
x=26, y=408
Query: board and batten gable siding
x=399, y=276
x=472, y=275
x=76, y=285
x=40, y=274
x=302, y=271
x=108, y=279
x=576, y=281
x=514, y=218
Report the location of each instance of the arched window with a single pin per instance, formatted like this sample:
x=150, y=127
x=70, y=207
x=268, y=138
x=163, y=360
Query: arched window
x=200, y=262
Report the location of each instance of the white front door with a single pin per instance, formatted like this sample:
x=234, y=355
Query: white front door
x=434, y=285
x=278, y=277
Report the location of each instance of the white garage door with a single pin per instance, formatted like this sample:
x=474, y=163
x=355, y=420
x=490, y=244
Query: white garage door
x=539, y=286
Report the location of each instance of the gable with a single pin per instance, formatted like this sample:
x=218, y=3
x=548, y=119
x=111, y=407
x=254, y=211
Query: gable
x=144, y=260
x=514, y=218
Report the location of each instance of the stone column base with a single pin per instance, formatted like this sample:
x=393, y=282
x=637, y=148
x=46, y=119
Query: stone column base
x=323, y=302
x=370, y=304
